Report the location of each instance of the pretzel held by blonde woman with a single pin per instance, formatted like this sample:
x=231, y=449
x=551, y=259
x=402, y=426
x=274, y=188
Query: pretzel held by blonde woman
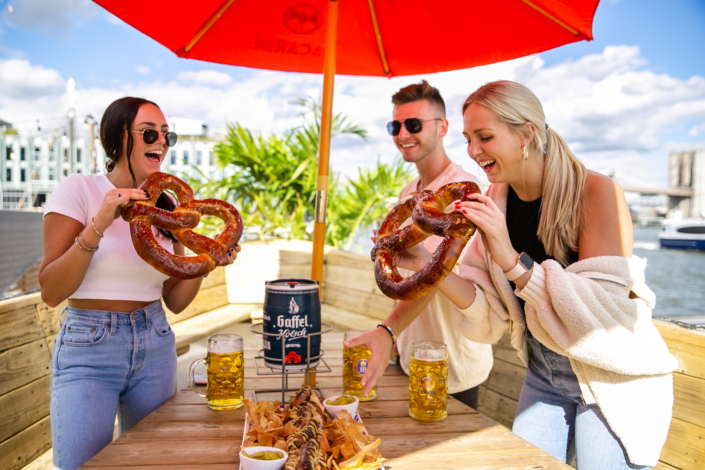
x=426, y=211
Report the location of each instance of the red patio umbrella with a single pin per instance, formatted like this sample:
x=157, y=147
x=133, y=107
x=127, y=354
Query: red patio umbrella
x=356, y=37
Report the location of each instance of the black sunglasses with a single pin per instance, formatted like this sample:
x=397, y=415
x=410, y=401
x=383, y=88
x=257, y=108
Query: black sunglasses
x=413, y=125
x=151, y=135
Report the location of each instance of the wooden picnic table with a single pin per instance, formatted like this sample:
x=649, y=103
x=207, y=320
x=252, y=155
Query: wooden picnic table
x=185, y=434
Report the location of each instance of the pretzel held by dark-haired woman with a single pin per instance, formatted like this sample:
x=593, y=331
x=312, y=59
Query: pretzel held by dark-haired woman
x=142, y=215
x=426, y=211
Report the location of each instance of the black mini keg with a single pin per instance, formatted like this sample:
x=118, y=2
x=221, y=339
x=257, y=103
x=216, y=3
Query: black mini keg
x=292, y=308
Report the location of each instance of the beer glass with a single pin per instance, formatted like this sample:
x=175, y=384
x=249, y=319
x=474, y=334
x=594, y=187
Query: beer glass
x=428, y=381
x=355, y=362
x=225, y=373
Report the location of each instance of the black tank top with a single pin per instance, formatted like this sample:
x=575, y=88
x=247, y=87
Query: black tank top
x=523, y=226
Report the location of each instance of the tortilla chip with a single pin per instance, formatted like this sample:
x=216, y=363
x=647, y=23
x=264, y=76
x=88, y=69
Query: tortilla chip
x=280, y=444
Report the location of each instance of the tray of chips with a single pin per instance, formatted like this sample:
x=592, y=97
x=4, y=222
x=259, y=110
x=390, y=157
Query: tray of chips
x=342, y=443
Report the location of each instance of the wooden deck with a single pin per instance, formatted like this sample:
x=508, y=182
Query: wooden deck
x=183, y=433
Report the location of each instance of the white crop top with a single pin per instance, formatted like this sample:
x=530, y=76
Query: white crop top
x=116, y=271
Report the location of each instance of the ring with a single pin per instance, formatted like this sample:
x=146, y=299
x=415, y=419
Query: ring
x=119, y=195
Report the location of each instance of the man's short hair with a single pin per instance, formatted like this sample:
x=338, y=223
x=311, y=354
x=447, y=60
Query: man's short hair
x=418, y=92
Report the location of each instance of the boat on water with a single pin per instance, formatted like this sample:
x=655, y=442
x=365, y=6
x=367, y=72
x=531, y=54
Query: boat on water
x=685, y=234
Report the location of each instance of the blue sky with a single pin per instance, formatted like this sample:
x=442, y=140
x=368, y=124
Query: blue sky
x=647, y=99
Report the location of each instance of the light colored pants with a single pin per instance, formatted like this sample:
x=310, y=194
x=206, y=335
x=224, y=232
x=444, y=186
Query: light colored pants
x=106, y=363
x=551, y=415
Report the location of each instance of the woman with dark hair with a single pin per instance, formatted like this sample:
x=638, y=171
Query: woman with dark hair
x=115, y=351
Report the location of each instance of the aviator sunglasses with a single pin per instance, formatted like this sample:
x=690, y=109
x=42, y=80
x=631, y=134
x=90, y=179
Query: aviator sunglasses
x=413, y=125
x=151, y=135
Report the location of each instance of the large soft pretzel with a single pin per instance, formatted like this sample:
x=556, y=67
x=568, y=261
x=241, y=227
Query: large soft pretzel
x=142, y=215
x=426, y=211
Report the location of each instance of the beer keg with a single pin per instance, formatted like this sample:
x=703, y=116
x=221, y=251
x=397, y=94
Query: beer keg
x=292, y=308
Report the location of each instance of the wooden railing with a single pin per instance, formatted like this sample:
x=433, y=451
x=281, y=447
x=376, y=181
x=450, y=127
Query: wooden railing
x=351, y=299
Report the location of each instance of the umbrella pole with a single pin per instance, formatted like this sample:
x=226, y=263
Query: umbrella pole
x=319, y=226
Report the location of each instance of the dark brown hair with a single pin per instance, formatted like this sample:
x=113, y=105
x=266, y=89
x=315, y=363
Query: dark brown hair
x=418, y=92
x=118, y=118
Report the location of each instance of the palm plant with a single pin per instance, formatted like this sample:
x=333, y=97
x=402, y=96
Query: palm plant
x=272, y=179
x=364, y=202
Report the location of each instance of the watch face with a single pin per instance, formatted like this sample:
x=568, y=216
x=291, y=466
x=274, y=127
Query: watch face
x=526, y=261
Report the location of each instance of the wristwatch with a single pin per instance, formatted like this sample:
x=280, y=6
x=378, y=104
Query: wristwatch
x=524, y=264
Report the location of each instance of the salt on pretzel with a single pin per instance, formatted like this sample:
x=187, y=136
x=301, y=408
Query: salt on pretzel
x=142, y=215
x=426, y=211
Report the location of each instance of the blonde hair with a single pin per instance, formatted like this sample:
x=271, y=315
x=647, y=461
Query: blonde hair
x=564, y=175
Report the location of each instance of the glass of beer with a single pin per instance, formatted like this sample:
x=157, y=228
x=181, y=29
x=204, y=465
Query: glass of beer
x=355, y=362
x=428, y=381
x=225, y=373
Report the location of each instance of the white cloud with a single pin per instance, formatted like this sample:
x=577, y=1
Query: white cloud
x=19, y=80
x=142, y=69
x=205, y=77
x=616, y=115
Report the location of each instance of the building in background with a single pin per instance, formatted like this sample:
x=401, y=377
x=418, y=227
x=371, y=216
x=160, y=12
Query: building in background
x=687, y=173
x=31, y=166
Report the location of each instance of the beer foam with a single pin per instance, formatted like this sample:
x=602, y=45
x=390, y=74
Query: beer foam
x=429, y=354
x=222, y=347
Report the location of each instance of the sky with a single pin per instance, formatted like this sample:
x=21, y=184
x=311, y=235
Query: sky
x=623, y=101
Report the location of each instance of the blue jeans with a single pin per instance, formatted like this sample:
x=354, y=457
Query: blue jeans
x=552, y=415
x=106, y=363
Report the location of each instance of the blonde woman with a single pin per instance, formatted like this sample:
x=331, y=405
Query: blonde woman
x=553, y=265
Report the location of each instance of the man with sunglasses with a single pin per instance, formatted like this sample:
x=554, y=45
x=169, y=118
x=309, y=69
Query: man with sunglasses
x=418, y=127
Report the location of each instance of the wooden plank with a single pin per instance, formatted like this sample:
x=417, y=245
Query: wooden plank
x=492, y=438
x=26, y=446
x=347, y=319
x=19, y=326
x=185, y=431
x=24, y=364
x=206, y=300
x=386, y=394
x=344, y=258
x=207, y=323
x=23, y=407
x=43, y=462
x=689, y=399
x=171, y=466
x=19, y=302
x=49, y=316
x=498, y=407
x=506, y=379
x=124, y=451
x=353, y=278
x=491, y=461
x=215, y=278
x=169, y=454
x=687, y=345
x=684, y=447
x=391, y=409
x=507, y=353
x=50, y=343
x=663, y=466
x=268, y=272
x=374, y=305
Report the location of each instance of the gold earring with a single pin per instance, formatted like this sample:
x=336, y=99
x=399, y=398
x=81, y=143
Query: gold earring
x=524, y=153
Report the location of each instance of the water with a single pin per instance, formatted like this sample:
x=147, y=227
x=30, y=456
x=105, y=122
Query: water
x=677, y=277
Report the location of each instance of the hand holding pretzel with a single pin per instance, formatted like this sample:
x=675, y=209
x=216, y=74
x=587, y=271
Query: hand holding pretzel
x=142, y=215
x=426, y=210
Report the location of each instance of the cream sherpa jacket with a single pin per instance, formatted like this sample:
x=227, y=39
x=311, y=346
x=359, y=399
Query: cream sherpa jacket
x=597, y=312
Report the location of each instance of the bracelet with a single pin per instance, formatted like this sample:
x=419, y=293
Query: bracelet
x=389, y=330
x=96, y=230
x=81, y=243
